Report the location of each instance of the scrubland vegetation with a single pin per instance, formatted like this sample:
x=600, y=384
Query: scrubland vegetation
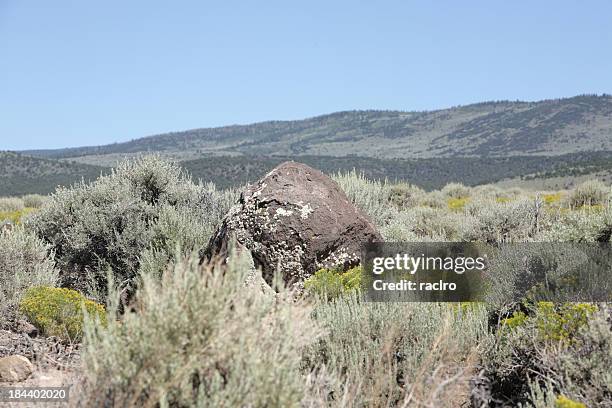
x=177, y=333
x=14, y=209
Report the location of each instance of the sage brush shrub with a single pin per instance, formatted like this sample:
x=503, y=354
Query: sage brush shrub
x=487, y=191
x=544, y=396
x=146, y=207
x=397, y=229
x=514, y=221
x=34, y=200
x=404, y=195
x=582, y=225
x=392, y=354
x=542, y=356
x=589, y=193
x=25, y=261
x=456, y=190
x=370, y=196
x=434, y=199
x=329, y=283
x=11, y=204
x=536, y=271
x=199, y=337
x=565, y=348
x=426, y=224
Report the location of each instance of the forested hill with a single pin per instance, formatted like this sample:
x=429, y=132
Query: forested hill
x=23, y=175
x=549, y=127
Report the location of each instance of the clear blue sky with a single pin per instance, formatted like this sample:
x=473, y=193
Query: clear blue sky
x=85, y=73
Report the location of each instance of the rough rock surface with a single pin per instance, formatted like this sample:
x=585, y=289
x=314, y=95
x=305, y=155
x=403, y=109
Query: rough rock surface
x=43, y=351
x=25, y=327
x=298, y=220
x=15, y=369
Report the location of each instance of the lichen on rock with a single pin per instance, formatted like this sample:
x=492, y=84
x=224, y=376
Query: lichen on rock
x=295, y=220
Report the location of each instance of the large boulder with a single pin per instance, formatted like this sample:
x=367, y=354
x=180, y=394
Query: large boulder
x=295, y=219
x=15, y=369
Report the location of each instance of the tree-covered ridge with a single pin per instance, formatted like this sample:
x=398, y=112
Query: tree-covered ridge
x=27, y=175
x=432, y=173
x=503, y=128
x=23, y=174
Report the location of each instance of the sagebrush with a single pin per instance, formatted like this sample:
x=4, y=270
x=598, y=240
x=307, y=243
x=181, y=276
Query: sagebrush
x=25, y=261
x=139, y=214
x=196, y=335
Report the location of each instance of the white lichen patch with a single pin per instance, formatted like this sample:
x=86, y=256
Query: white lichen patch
x=338, y=258
x=305, y=211
x=288, y=259
x=283, y=213
x=278, y=232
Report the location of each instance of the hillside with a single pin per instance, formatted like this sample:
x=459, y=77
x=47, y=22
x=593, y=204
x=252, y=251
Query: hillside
x=549, y=127
x=426, y=173
x=22, y=174
x=551, y=142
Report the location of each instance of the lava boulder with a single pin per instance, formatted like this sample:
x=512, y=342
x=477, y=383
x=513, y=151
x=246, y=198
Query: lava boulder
x=295, y=220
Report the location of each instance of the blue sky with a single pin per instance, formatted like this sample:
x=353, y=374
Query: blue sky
x=78, y=73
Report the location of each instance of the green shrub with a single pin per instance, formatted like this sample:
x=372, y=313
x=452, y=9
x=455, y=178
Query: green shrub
x=583, y=369
x=589, y=193
x=517, y=319
x=543, y=396
x=568, y=345
x=145, y=206
x=532, y=272
x=552, y=198
x=59, y=311
x=17, y=216
x=200, y=338
x=564, y=402
x=24, y=262
x=457, y=204
x=554, y=323
x=330, y=284
x=562, y=323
